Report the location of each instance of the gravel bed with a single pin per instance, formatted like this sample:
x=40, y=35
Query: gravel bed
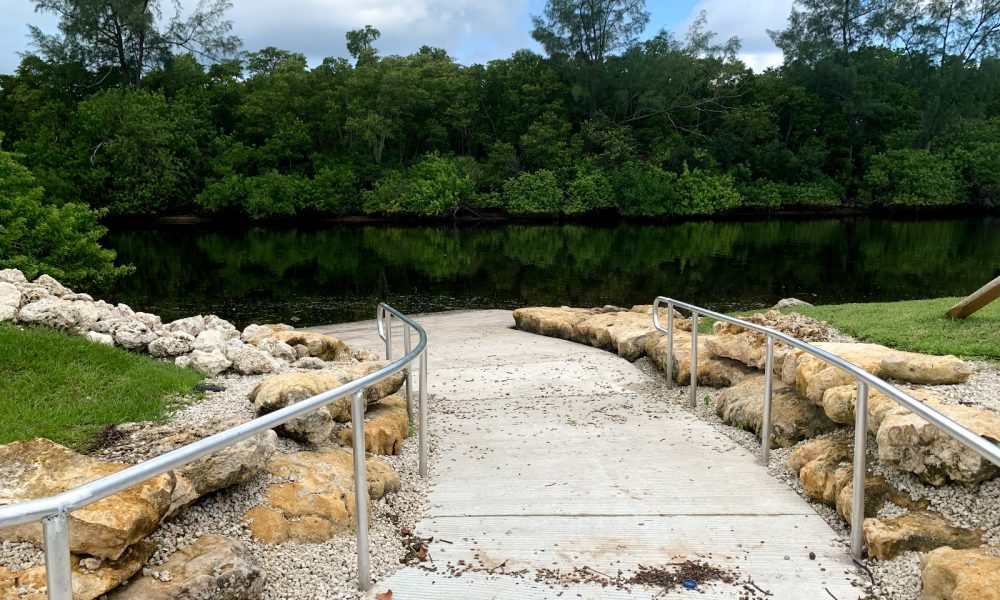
x=982, y=388
x=975, y=507
x=293, y=571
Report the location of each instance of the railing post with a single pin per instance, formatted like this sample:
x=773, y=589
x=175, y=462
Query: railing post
x=694, y=360
x=422, y=433
x=670, y=345
x=58, y=569
x=361, y=489
x=765, y=429
x=860, y=464
x=407, y=346
x=388, y=336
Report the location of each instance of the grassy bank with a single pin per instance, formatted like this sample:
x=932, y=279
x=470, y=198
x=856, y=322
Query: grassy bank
x=917, y=326
x=65, y=388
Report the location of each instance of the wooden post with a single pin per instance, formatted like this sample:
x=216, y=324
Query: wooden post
x=976, y=300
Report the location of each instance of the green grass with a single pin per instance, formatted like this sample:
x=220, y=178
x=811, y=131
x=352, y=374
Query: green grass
x=917, y=326
x=65, y=388
x=912, y=325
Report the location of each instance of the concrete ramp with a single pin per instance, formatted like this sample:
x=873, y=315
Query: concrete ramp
x=555, y=461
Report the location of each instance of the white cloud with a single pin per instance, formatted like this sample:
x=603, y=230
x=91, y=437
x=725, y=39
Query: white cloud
x=468, y=29
x=749, y=21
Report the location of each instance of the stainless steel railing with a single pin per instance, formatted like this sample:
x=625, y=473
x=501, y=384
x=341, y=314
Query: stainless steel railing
x=864, y=379
x=385, y=318
x=54, y=511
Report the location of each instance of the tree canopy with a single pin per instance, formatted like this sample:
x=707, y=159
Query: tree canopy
x=877, y=105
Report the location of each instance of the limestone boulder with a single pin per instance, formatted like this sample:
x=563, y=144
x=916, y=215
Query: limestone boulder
x=920, y=531
x=87, y=312
x=54, y=287
x=362, y=355
x=10, y=296
x=217, y=323
x=50, y=312
x=7, y=313
x=251, y=361
x=213, y=567
x=288, y=388
x=40, y=468
x=230, y=466
x=790, y=303
x=14, y=276
x=909, y=443
x=812, y=376
x=191, y=325
x=132, y=334
x=877, y=492
x=210, y=363
x=210, y=340
x=100, y=338
x=310, y=362
x=750, y=347
x=87, y=584
x=647, y=309
x=107, y=311
x=793, y=418
x=839, y=404
x=319, y=345
x=175, y=344
x=712, y=371
x=318, y=501
x=78, y=297
x=151, y=321
x=107, y=326
x=559, y=322
x=277, y=349
x=925, y=369
x=32, y=292
x=952, y=574
x=824, y=465
x=625, y=333
x=386, y=426
x=251, y=331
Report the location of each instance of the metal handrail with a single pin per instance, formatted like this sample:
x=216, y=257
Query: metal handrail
x=864, y=379
x=53, y=511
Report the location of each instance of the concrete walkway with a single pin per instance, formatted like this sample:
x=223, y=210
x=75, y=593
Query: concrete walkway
x=549, y=455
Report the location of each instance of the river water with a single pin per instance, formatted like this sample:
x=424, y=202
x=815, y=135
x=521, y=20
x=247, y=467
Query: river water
x=311, y=276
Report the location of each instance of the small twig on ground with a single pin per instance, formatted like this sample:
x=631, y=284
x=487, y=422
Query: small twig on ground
x=760, y=589
x=500, y=566
x=593, y=570
x=831, y=594
x=866, y=570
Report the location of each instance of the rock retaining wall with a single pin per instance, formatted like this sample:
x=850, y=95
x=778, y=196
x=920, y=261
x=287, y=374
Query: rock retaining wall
x=813, y=401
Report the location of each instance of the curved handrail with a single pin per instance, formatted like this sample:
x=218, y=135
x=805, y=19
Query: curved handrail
x=982, y=446
x=60, y=505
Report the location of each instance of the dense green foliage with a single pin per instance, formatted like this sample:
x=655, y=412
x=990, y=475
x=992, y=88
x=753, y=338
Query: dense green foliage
x=38, y=237
x=65, y=388
x=877, y=105
x=916, y=326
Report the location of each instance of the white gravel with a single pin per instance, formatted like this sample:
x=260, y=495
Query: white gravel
x=293, y=571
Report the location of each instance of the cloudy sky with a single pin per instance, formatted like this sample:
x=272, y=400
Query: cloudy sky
x=470, y=30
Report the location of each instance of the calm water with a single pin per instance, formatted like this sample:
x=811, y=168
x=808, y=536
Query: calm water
x=337, y=273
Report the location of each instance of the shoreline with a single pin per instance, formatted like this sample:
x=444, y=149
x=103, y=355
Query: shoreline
x=602, y=220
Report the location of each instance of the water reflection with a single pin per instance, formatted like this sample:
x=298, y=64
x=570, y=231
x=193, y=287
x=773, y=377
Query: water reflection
x=337, y=273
